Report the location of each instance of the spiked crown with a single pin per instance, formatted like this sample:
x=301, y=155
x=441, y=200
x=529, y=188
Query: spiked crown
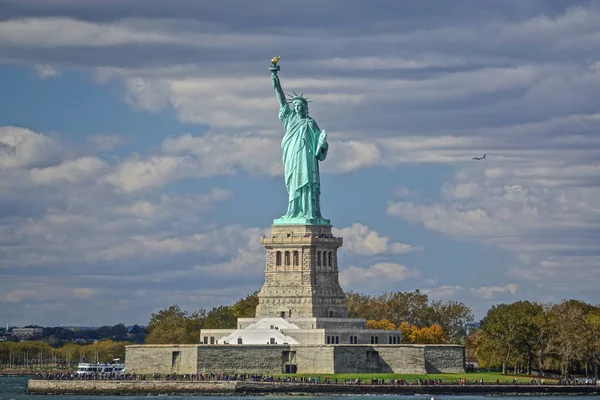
x=298, y=97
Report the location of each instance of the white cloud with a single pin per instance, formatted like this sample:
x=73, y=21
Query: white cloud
x=248, y=259
x=55, y=212
x=374, y=275
x=550, y=223
x=23, y=148
x=445, y=292
x=377, y=63
x=138, y=174
x=222, y=154
x=46, y=71
x=92, y=231
x=84, y=169
x=147, y=96
x=68, y=32
x=361, y=240
x=493, y=292
x=169, y=206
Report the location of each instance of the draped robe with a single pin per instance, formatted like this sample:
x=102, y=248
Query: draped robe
x=301, y=164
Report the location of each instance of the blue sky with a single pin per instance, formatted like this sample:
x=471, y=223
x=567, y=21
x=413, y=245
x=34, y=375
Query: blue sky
x=140, y=159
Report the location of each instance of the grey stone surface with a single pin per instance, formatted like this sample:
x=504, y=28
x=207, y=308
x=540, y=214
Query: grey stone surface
x=348, y=359
x=105, y=387
x=301, y=274
x=402, y=359
x=313, y=323
x=253, y=359
x=444, y=359
x=161, y=359
x=314, y=359
x=318, y=359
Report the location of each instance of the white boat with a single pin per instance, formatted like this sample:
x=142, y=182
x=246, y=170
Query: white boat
x=100, y=368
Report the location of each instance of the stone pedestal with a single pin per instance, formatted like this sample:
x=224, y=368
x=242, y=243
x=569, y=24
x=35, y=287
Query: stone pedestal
x=301, y=274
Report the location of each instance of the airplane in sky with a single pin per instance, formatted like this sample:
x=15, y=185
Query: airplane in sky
x=479, y=158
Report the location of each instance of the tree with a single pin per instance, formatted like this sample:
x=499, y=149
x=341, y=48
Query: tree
x=413, y=334
x=71, y=353
x=119, y=332
x=413, y=308
x=137, y=330
x=361, y=306
x=471, y=347
x=433, y=334
x=407, y=332
x=544, y=334
x=246, y=307
x=381, y=324
x=453, y=317
x=568, y=341
x=137, y=334
x=593, y=339
x=173, y=325
x=508, y=334
x=54, y=341
x=221, y=317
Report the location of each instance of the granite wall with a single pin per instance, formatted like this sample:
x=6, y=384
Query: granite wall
x=445, y=359
x=317, y=359
x=272, y=359
x=161, y=359
x=251, y=359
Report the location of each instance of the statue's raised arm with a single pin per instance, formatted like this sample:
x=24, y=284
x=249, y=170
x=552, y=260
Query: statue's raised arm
x=276, y=83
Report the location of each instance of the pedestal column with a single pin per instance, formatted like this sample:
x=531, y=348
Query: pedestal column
x=301, y=274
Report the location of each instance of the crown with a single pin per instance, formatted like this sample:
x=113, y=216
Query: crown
x=298, y=97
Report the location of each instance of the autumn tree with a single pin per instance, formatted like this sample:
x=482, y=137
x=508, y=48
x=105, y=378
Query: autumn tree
x=381, y=324
x=407, y=331
x=413, y=308
x=433, y=334
x=413, y=334
x=471, y=347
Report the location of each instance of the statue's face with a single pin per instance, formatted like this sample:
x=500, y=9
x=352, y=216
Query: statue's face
x=301, y=109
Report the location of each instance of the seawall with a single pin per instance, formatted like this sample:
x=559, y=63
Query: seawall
x=77, y=387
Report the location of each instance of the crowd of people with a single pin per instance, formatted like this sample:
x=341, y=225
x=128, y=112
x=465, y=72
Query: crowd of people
x=71, y=375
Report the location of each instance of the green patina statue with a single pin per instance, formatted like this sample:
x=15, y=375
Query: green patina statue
x=303, y=145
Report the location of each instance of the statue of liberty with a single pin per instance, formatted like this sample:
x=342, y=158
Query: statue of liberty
x=303, y=146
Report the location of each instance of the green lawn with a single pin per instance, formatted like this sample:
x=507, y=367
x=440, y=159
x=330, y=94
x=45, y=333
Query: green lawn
x=488, y=377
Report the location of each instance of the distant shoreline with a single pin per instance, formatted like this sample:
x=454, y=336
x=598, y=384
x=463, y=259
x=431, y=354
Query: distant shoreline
x=142, y=388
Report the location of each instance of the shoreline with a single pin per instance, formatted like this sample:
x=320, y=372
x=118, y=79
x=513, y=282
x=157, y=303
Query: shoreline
x=250, y=388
